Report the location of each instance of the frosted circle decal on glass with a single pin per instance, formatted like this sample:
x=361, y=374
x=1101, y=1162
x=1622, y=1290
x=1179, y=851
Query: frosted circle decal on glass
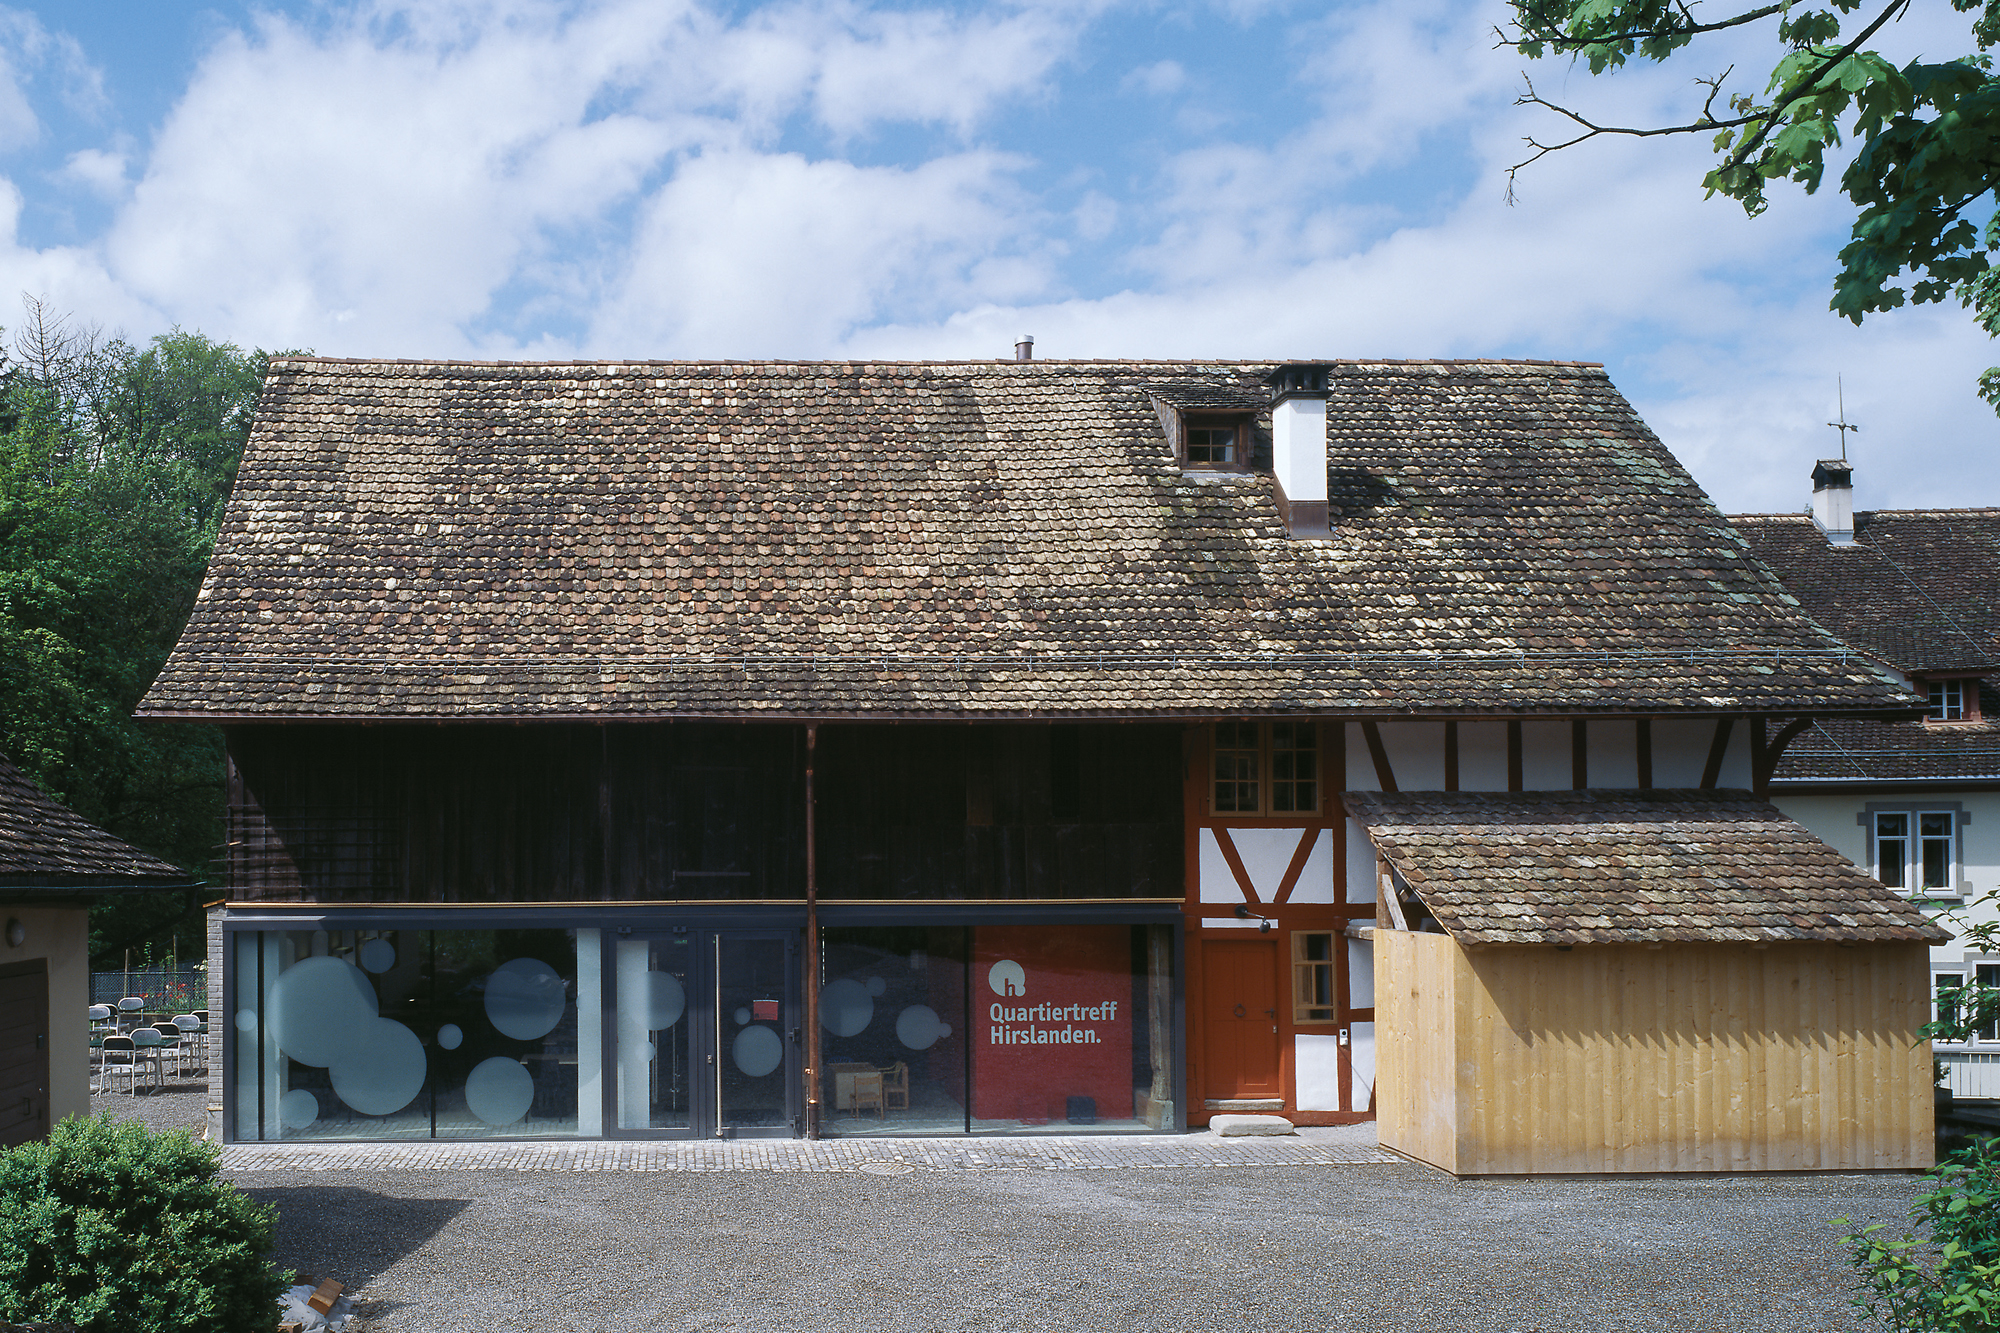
x=450, y=1035
x=377, y=955
x=742, y=1015
x=1007, y=977
x=318, y=1007
x=876, y=986
x=757, y=1051
x=298, y=1108
x=845, y=1007
x=665, y=1000
x=246, y=1020
x=499, y=1091
x=525, y=999
x=385, y=1072
x=917, y=1027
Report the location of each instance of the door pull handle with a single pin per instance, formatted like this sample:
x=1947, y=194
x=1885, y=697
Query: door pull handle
x=1239, y=1011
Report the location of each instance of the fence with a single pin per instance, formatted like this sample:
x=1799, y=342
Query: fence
x=181, y=991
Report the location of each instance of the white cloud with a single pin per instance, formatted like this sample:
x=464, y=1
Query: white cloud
x=98, y=170
x=1158, y=79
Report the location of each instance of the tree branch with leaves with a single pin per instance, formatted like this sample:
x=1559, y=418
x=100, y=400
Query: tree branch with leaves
x=1927, y=161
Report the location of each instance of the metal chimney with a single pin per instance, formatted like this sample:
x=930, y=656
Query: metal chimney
x=1024, y=350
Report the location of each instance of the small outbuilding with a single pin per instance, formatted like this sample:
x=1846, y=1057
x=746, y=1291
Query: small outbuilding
x=53, y=864
x=1628, y=981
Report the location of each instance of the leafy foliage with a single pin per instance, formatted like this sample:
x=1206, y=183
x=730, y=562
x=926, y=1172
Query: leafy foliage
x=115, y=464
x=1928, y=133
x=107, y=1225
x=1944, y=1277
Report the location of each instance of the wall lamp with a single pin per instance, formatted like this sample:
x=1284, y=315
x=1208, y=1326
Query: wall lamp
x=1244, y=912
x=17, y=933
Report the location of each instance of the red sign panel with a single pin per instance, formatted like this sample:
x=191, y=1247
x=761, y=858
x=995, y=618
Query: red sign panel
x=1052, y=1023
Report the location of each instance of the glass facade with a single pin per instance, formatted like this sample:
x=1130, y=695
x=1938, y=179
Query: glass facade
x=996, y=1029
x=698, y=1031
x=370, y=1034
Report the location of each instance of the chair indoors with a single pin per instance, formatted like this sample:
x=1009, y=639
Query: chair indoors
x=896, y=1086
x=867, y=1094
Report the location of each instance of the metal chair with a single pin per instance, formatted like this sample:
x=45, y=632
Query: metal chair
x=194, y=1040
x=130, y=1008
x=121, y=1055
x=146, y=1044
x=171, y=1047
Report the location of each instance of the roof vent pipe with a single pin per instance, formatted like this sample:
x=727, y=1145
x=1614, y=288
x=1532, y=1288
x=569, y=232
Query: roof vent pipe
x=1298, y=445
x=1833, y=500
x=1024, y=350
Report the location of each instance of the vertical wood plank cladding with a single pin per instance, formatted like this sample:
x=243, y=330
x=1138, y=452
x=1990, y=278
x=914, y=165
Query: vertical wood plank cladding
x=1514, y=754
x=1692, y=1057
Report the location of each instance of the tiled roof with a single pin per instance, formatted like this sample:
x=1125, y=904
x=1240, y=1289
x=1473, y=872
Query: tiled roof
x=1621, y=867
x=1842, y=749
x=44, y=844
x=996, y=539
x=1919, y=588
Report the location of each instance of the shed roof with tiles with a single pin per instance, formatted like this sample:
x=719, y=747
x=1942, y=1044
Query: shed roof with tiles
x=1623, y=867
x=972, y=539
x=45, y=845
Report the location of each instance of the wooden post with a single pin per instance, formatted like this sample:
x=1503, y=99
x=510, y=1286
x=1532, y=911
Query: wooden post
x=812, y=945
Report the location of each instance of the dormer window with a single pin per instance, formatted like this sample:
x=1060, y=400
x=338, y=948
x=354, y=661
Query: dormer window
x=1953, y=699
x=1216, y=441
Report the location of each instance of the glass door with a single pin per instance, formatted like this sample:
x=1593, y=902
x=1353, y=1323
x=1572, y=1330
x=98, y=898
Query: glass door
x=706, y=1031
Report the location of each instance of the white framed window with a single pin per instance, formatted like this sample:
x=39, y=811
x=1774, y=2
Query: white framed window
x=1916, y=850
x=1946, y=701
x=1983, y=974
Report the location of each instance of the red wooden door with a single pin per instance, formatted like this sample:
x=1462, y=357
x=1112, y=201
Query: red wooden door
x=1240, y=1018
x=24, y=1052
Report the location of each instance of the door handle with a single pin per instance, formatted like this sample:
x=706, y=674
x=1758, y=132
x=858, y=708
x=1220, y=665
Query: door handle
x=1239, y=1011
x=1272, y=1012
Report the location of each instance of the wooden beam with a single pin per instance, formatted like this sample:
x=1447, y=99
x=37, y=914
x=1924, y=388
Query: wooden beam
x=1579, y=754
x=1514, y=754
x=1711, y=772
x=1645, y=747
x=1451, y=755
x=1384, y=774
x=1766, y=764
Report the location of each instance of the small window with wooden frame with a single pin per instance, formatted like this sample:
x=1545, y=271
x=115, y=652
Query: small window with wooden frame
x=1265, y=768
x=1951, y=699
x=1315, y=980
x=1216, y=440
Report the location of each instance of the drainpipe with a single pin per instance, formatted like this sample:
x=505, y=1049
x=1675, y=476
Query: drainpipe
x=812, y=945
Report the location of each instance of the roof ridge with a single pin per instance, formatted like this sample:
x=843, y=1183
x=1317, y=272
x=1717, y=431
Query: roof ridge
x=1039, y=362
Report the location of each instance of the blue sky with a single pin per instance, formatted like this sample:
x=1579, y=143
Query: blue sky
x=527, y=178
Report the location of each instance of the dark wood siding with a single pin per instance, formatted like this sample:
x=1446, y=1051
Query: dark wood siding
x=471, y=813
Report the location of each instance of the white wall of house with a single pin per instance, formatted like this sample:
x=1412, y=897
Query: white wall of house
x=1843, y=820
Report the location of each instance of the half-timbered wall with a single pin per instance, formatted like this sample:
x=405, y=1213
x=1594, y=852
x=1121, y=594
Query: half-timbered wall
x=1315, y=873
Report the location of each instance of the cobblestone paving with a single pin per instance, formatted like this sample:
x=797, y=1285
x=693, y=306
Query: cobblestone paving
x=876, y=1156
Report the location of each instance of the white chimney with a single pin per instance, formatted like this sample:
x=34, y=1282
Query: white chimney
x=1833, y=500
x=1298, y=445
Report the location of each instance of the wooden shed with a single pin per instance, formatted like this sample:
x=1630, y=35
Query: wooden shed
x=1600, y=981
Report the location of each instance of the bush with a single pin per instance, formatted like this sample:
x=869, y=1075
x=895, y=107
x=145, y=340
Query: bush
x=1944, y=1277
x=107, y=1225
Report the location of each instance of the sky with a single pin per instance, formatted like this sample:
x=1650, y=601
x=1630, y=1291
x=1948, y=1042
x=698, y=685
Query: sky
x=628, y=179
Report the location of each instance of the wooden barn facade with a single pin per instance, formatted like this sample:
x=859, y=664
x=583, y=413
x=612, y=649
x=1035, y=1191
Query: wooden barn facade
x=766, y=749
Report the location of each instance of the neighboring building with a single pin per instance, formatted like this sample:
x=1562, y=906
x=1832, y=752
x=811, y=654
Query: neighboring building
x=53, y=864
x=578, y=713
x=1917, y=801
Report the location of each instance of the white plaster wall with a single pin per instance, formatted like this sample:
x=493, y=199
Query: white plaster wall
x=1482, y=756
x=1416, y=754
x=1361, y=1060
x=1613, y=749
x=1360, y=765
x=61, y=935
x=1315, y=884
x=1360, y=974
x=1680, y=751
x=1835, y=818
x=1360, y=864
x=1266, y=853
x=1316, y=1070
x=1545, y=756
x=1218, y=885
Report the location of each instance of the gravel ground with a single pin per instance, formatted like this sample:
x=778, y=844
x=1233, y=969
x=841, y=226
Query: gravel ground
x=181, y=1104
x=1385, y=1248
x=1369, y=1247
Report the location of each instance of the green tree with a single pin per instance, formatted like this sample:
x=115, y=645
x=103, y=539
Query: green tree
x=115, y=464
x=1927, y=133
